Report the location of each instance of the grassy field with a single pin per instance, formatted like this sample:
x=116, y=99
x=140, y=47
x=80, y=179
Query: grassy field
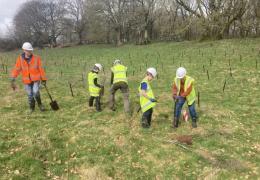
x=76, y=142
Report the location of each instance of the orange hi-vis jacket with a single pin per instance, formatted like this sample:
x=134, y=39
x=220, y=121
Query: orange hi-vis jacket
x=32, y=71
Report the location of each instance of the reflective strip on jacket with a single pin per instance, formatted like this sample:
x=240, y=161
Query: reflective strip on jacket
x=188, y=81
x=93, y=90
x=32, y=71
x=145, y=103
x=119, y=73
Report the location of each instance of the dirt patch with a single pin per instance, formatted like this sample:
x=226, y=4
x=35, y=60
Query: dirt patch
x=94, y=173
x=120, y=141
x=185, y=139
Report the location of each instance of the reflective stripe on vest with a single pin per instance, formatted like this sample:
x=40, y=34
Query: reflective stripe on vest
x=145, y=103
x=192, y=96
x=119, y=73
x=93, y=90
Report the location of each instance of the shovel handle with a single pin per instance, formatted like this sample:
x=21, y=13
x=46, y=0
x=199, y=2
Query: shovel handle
x=48, y=92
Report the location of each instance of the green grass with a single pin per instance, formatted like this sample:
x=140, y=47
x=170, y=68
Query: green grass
x=78, y=143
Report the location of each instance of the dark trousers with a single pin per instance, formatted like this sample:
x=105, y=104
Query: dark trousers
x=147, y=118
x=97, y=102
x=123, y=86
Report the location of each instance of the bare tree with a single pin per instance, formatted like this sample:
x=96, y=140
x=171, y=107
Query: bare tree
x=30, y=23
x=216, y=16
x=55, y=13
x=116, y=12
x=77, y=12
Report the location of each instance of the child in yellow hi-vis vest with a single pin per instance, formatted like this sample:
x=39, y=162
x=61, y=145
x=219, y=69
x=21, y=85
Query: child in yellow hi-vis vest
x=94, y=87
x=147, y=99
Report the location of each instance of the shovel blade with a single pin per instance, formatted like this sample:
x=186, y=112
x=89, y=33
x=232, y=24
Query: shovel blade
x=54, y=105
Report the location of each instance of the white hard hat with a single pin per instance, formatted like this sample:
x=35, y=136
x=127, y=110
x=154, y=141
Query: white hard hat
x=117, y=61
x=99, y=66
x=27, y=46
x=181, y=72
x=152, y=71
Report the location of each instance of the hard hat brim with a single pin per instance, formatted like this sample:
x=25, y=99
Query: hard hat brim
x=27, y=49
x=180, y=77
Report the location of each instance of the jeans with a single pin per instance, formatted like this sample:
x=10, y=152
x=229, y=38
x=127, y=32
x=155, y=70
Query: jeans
x=147, y=118
x=33, y=93
x=179, y=105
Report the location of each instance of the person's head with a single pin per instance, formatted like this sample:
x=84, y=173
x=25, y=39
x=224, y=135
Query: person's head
x=117, y=61
x=151, y=73
x=181, y=73
x=97, y=67
x=27, y=49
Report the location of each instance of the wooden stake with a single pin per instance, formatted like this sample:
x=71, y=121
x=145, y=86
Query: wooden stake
x=71, y=90
x=208, y=74
x=6, y=69
x=230, y=71
x=198, y=99
x=224, y=85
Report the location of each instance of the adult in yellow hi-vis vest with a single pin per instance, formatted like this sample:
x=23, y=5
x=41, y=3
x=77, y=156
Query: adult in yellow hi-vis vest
x=119, y=81
x=94, y=87
x=183, y=90
x=147, y=99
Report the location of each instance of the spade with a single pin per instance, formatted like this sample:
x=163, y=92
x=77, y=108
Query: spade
x=54, y=105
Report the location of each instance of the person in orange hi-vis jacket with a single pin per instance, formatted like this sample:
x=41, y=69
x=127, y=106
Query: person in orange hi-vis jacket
x=30, y=66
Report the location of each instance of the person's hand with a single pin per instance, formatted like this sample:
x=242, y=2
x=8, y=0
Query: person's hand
x=43, y=82
x=153, y=100
x=13, y=86
x=177, y=97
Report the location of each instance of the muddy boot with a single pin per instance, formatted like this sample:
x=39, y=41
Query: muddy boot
x=175, y=122
x=32, y=106
x=39, y=102
x=144, y=123
x=98, y=104
x=194, y=123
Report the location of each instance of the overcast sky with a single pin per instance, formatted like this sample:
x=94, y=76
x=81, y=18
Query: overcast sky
x=8, y=8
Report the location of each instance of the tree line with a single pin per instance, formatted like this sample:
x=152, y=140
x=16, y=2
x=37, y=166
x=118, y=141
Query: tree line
x=65, y=22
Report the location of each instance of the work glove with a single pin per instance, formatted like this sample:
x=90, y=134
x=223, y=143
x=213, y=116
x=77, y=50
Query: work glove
x=13, y=86
x=153, y=100
x=43, y=82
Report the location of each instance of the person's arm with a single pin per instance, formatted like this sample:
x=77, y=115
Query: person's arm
x=96, y=83
x=17, y=69
x=174, y=90
x=143, y=90
x=112, y=78
x=188, y=91
x=42, y=72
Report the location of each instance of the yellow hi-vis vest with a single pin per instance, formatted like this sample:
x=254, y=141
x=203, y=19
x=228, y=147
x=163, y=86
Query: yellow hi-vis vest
x=93, y=90
x=119, y=73
x=192, y=96
x=145, y=103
